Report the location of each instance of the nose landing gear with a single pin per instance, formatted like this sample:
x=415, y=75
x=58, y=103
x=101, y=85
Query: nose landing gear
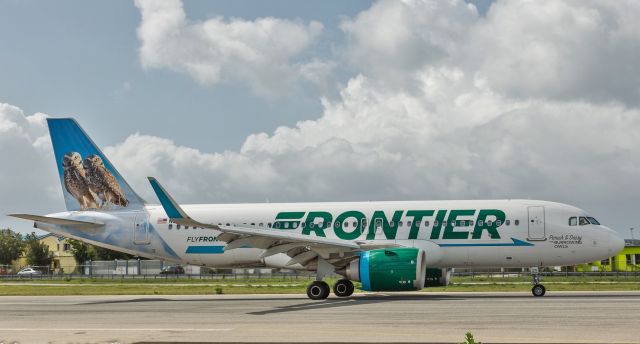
x=538, y=289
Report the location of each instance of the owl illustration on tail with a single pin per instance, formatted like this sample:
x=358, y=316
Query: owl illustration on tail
x=75, y=181
x=102, y=182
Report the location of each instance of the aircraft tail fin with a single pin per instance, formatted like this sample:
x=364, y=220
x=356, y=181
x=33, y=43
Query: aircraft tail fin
x=89, y=180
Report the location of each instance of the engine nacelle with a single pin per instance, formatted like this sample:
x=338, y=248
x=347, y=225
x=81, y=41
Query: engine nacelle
x=436, y=277
x=393, y=269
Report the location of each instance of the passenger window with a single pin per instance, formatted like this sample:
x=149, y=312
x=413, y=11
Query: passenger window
x=304, y=224
x=489, y=223
x=261, y=224
x=507, y=222
x=170, y=226
x=435, y=223
x=177, y=226
x=573, y=221
x=516, y=222
x=426, y=223
x=286, y=225
x=399, y=223
x=337, y=224
x=253, y=224
x=269, y=225
x=391, y=223
x=328, y=224
x=583, y=221
x=355, y=224
x=228, y=225
x=277, y=225
x=470, y=222
x=480, y=223
x=498, y=223
x=408, y=223
x=346, y=224
x=444, y=223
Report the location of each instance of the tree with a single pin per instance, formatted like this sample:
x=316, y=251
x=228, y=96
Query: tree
x=107, y=254
x=11, y=246
x=81, y=251
x=38, y=253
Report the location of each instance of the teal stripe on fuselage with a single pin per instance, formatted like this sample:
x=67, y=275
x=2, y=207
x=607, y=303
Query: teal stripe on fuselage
x=515, y=242
x=205, y=249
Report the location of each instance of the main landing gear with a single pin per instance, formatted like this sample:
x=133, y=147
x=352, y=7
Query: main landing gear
x=538, y=289
x=319, y=290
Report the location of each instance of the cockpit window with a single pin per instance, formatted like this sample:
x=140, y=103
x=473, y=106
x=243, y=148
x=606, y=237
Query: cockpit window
x=573, y=221
x=593, y=221
x=583, y=221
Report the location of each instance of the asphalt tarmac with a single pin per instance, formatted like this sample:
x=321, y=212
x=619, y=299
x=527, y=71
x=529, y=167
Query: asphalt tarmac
x=569, y=317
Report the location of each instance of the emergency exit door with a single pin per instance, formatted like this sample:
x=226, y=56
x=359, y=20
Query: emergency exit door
x=536, y=223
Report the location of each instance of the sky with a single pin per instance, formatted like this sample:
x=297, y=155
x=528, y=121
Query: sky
x=287, y=101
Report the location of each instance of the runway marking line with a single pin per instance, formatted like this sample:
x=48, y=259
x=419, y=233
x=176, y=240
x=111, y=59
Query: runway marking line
x=120, y=329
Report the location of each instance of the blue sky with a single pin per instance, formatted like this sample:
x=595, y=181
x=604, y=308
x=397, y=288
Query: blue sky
x=77, y=58
x=244, y=101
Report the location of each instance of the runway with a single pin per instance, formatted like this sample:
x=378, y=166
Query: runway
x=570, y=317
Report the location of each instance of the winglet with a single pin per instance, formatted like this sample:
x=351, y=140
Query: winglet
x=170, y=206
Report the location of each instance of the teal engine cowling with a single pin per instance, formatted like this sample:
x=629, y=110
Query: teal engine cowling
x=392, y=269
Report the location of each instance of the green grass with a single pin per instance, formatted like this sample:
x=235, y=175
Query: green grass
x=118, y=286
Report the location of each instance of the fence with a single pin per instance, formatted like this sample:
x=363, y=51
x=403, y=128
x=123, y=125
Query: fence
x=152, y=269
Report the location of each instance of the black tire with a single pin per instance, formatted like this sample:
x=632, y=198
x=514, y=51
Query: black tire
x=318, y=290
x=343, y=288
x=538, y=290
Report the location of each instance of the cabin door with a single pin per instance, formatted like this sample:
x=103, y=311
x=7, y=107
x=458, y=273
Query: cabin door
x=536, y=223
x=141, y=230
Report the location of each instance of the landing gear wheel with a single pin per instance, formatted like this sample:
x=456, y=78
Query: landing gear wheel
x=538, y=290
x=343, y=288
x=318, y=290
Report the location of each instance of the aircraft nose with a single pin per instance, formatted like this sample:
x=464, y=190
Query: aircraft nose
x=616, y=243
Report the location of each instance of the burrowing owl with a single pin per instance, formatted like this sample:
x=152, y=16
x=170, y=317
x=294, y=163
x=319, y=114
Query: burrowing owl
x=75, y=181
x=102, y=182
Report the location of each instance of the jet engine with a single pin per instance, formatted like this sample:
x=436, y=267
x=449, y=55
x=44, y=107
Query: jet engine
x=392, y=269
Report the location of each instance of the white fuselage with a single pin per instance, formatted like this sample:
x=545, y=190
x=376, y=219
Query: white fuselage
x=496, y=233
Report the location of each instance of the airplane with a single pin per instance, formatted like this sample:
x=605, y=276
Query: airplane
x=386, y=246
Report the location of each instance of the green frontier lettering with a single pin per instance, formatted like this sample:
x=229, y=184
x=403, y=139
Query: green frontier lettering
x=317, y=228
x=390, y=229
x=452, y=221
x=417, y=220
x=359, y=218
x=437, y=224
x=493, y=215
x=317, y=221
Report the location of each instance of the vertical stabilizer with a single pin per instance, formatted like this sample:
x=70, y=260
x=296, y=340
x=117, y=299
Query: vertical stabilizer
x=89, y=180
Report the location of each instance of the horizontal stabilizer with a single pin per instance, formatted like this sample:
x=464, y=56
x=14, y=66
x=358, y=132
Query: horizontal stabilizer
x=80, y=225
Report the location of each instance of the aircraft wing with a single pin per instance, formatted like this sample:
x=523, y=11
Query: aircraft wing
x=302, y=249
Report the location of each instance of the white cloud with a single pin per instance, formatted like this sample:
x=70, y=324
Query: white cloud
x=259, y=52
x=28, y=179
x=392, y=39
x=473, y=113
x=560, y=49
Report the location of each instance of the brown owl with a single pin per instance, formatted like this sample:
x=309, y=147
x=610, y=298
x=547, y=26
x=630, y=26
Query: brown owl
x=102, y=182
x=76, y=183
